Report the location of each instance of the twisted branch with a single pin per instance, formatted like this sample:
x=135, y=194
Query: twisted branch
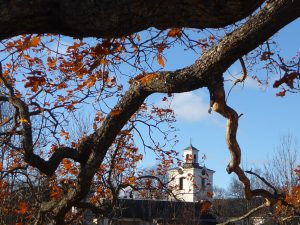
x=219, y=105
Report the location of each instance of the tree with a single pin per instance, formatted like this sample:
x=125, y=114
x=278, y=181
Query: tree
x=280, y=175
x=280, y=170
x=55, y=82
x=220, y=193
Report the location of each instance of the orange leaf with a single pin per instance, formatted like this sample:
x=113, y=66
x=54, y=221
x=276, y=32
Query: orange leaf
x=65, y=134
x=131, y=180
x=34, y=82
x=17, y=94
x=5, y=73
x=125, y=132
x=138, y=37
x=56, y=192
x=115, y=112
x=94, y=126
x=102, y=167
x=67, y=164
x=121, y=169
x=98, y=117
x=175, y=32
x=149, y=77
x=205, y=206
x=281, y=93
x=51, y=62
x=1, y=166
x=35, y=41
x=210, y=194
x=62, y=85
x=160, y=60
x=73, y=171
x=22, y=208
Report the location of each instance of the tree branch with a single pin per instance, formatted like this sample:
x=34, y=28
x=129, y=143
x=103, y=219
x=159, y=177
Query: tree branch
x=47, y=167
x=219, y=105
x=266, y=204
x=263, y=180
x=206, y=72
x=116, y=18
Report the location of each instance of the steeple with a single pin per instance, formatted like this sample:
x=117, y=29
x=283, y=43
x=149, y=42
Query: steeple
x=190, y=155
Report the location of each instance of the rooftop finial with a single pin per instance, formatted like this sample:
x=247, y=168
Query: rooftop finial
x=190, y=142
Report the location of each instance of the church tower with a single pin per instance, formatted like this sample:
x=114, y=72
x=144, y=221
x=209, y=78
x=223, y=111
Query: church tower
x=190, y=155
x=191, y=182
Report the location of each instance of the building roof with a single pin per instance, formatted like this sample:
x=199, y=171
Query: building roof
x=148, y=210
x=191, y=147
x=195, y=166
x=204, y=167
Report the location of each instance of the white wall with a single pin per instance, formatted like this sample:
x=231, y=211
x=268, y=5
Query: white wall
x=192, y=190
x=202, y=193
x=187, y=193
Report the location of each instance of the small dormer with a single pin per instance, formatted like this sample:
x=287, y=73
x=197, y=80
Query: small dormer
x=190, y=155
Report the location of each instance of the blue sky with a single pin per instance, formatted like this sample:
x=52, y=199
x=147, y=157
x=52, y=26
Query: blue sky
x=266, y=117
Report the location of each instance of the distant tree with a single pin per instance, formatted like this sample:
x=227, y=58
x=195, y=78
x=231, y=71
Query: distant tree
x=283, y=174
x=280, y=170
x=279, y=176
x=236, y=189
x=219, y=193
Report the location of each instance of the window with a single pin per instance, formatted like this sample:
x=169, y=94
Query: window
x=195, y=158
x=188, y=158
x=202, y=183
x=181, y=183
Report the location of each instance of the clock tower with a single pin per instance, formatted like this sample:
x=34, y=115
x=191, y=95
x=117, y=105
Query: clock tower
x=191, y=182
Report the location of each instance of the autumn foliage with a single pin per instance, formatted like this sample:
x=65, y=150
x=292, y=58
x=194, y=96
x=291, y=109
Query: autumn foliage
x=46, y=83
x=76, y=118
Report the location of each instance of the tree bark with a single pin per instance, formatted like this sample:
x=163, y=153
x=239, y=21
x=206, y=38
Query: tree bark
x=115, y=18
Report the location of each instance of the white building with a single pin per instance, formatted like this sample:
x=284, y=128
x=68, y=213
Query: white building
x=191, y=182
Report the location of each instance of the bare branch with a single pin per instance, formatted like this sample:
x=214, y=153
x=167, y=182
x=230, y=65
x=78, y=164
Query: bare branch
x=263, y=180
